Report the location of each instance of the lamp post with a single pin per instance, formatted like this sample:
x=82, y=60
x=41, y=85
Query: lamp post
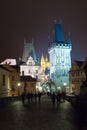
x=18, y=88
x=64, y=86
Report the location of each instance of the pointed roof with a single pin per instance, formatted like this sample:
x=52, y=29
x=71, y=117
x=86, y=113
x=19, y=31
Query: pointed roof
x=69, y=38
x=59, y=36
x=9, y=61
x=42, y=58
x=4, y=68
x=46, y=59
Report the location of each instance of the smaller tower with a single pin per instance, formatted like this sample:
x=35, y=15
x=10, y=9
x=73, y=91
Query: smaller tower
x=29, y=51
x=47, y=64
x=44, y=63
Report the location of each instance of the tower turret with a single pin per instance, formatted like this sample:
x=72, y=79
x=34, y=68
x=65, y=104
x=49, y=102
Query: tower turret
x=29, y=51
x=59, y=36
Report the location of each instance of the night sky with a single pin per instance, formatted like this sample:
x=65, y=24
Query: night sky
x=29, y=19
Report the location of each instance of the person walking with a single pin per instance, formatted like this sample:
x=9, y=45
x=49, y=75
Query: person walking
x=23, y=97
x=28, y=97
x=58, y=97
x=39, y=96
x=53, y=98
x=35, y=97
x=63, y=95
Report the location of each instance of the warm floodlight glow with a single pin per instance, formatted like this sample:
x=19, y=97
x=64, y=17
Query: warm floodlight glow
x=19, y=84
x=19, y=88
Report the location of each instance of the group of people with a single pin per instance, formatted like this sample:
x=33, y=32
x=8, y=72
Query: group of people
x=57, y=97
x=36, y=97
x=31, y=97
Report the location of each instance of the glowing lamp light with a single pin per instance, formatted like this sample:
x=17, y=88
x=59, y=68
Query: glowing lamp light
x=18, y=88
x=19, y=84
x=64, y=84
x=59, y=88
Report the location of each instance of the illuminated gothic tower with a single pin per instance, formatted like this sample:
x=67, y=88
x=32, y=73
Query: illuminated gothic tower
x=60, y=57
x=29, y=51
x=44, y=64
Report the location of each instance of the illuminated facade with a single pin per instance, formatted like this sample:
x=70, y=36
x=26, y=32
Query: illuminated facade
x=44, y=64
x=60, y=57
x=29, y=66
x=9, y=77
x=4, y=81
x=77, y=75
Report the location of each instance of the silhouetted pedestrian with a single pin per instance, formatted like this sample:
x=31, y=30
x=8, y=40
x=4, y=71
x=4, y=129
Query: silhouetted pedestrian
x=39, y=96
x=35, y=97
x=23, y=97
x=28, y=97
x=58, y=97
x=48, y=94
x=53, y=98
x=63, y=95
x=31, y=96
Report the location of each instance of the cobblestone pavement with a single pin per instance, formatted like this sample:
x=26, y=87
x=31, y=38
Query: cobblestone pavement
x=43, y=116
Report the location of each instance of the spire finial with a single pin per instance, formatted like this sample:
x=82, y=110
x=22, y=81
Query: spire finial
x=55, y=21
x=68, y=33
x=24, y=40
x=60, y=21
x=32, y=40
x=69, y=37
x=49, y=41
x=49, y=37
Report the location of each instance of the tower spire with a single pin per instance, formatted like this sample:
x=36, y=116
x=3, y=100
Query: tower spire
x=55, y=21
x=24, y=40
x=32, y=40
x=60, y=21
x=48, y=41
x=69, y=38
x=59, y=36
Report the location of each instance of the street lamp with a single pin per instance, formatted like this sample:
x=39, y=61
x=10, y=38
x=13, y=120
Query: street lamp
x=64, y=84
x=18, y=89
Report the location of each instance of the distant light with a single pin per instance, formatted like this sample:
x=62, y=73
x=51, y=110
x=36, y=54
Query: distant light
x=59, y=88
x=64, y=84
x=19, y=84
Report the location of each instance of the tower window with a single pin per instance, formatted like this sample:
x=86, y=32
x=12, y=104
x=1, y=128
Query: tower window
x=3, y=80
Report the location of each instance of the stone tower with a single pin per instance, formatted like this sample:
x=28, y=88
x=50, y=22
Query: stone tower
x=29, y=51
x=60, y=57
